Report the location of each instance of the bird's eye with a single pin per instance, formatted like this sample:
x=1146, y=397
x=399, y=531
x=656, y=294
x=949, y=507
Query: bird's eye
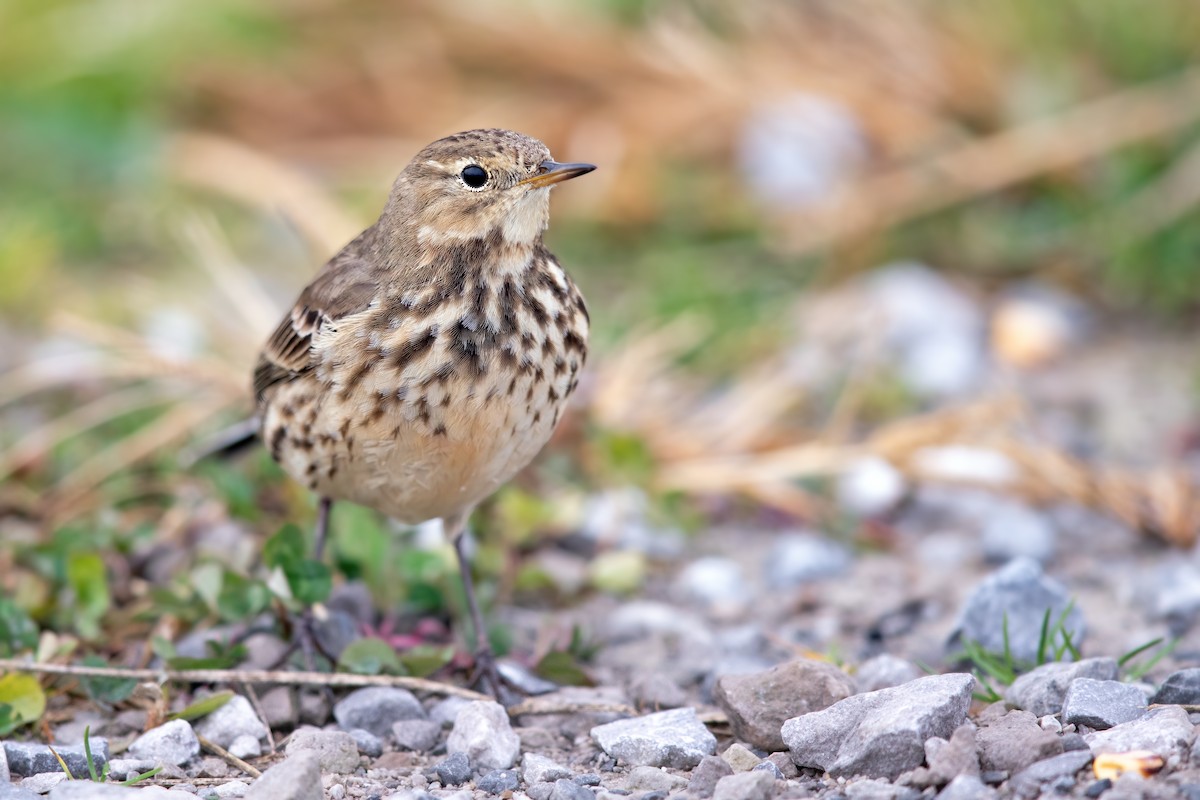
x=474, y=176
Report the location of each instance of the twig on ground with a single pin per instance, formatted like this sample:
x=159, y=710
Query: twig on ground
x=228, y=757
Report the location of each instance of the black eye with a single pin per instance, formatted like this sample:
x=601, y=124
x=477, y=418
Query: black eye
x=474, y=176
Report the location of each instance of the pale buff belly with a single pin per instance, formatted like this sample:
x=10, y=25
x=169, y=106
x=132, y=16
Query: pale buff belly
x=411, y=462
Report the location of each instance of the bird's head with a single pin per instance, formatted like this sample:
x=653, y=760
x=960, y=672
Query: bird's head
x=478, y=183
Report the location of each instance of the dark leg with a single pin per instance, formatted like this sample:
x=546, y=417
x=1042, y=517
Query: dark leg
x=305, y=634
x=323, y=507
x=485, y=659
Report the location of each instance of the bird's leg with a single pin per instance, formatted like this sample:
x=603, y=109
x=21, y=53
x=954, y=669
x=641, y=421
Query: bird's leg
x=305, y=634
x=485, y=659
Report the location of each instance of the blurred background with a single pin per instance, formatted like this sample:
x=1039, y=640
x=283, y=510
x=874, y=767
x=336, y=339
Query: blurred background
x=835, y=251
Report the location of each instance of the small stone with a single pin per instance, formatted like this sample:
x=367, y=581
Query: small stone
x=315, y=707
x=1098, y=788
x=947, y=759
x=739, y=757
x=770, y=768
x=1041, y=691
x=498, y=781
x=367, y=743
x=34, y=759
x=5, y=777
x=873, y=789
x=13, y=791
x=87, y=790
x=797, y=559
x=1030, y=781
x=885, y=671
x=653, y=779
x=870, y=487
x=376, y=709
x=540, y=769
x=1180, y=688
x=1165, y=731
x=966, y=787
x=524, y=680
x=880, y=734
x=172, y=742
x=715, y=584
x=1102, y=704
x=231, y=789
x=246, y=745
x=569, y=790
x=335, y=750
x=279, y=707
x=1006, y=610
x=783, y=762
x=706, y=774
x=129, y=766
x=1017, y=531
x=454, y=770
x=236, y=718
x=43, y=782
x=1014, y=741
x=587, y=779
x=759, y=703
x=418, y=735
x=745, y=786
x=483, y=732
x=673, y=738
x=656, y=692
x=445, y=711
x=296, y=778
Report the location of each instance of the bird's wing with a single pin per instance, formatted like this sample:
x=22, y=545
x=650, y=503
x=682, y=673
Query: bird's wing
x=346, y=285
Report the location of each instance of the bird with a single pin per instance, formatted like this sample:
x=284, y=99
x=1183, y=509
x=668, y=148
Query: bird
x=431, y=358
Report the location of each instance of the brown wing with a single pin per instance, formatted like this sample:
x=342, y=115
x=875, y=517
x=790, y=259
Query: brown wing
x=344, y=286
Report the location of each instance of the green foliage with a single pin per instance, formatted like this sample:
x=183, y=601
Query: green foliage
x=424, y=660
x=310, y=581
x=22, y=701
x=370, y=656
x=105, y=691
x=566, y=666
x=1054, y=644
x=221, y=655
x=203, y=707
x=1135, y=671
x=17, y=631
x=88, y=580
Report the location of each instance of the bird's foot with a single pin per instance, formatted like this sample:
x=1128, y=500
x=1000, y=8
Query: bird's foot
x=488, y=678
x=305, y=639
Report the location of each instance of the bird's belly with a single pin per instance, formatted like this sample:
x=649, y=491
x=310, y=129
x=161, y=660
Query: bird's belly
x=410, y=461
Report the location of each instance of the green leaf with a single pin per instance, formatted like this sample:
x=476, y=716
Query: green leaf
x=105, y=690
x=220, y=656
x=370, y=656
x=89, y=582
x=17, y=631
x=562, y=667
x=424, y=660
x=310, y=581
x=202, y=708
x=24, y=697
x=241, y=598
x=285, y=547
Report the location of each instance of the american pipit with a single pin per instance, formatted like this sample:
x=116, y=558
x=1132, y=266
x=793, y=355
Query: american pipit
x=430, y=359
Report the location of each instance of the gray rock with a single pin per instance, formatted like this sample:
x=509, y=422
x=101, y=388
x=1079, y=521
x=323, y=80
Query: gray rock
x=44, y=782
x=231, y=789
x=445, y=711
x=706, y=774
x=123, y=768
x=280, y=708
x=236, y=718
x=1180, y=688
x=87, y=790
x=314, y=707
x=1017, y=531
x=673, y=738
x=653, y=779
x=11, y=791
x=759, y=703
x=1102, y=704
x=540, y=769
x=454, y=770
x=745, y=786
x=524, y=680
x=797, y=559
x=947, y=759
x=885, y=671
x=1037, y=777
x=498, y=781
x=1017, y=597
x=880, y=734
x=483, y=732
x=419, y=735
x=34, y=759
x=569, y=790
x=367, y=743
x=1012, y=742
x=1166, y=731
x=656, y=692
x=874, y=789
x=172, y=742
x=966, y=787
x=296, y=778
x=336, y=751
x=771, y=768
x=587, y=779
x=5, y=777
x=740, y=758
x=870, y=487
x=376, y=709
x=783, y=762
x=1041, y=691
x=715, y=584
x=245, y=745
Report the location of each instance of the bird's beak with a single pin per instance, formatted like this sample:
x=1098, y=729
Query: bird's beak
x=552, y=172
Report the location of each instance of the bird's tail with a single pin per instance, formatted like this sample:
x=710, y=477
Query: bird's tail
x=224, y=443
